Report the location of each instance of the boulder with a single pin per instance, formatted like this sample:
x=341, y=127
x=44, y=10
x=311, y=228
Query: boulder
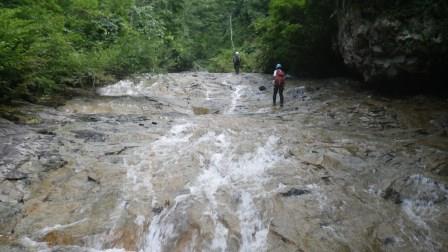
x=393, y=41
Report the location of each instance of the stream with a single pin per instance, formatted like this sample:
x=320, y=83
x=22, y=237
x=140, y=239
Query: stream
x=198, y=161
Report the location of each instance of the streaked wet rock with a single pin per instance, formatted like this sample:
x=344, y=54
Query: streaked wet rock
x=205, y=163
x=295, y=192
x=15, y=175
x=89, y=135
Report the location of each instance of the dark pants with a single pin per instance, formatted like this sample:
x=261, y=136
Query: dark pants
x=278, y=90
x=237, y=68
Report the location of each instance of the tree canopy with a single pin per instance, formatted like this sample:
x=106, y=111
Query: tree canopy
x=48, y=45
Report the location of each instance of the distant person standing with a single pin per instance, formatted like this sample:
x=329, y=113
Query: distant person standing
x=236, y=62
x=279, y=83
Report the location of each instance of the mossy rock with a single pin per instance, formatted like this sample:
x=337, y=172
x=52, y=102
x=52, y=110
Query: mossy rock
x=52, y=101
x=14, y=114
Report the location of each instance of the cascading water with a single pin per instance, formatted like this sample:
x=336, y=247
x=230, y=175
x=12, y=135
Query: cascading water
x=224, y=171
x=204, y=162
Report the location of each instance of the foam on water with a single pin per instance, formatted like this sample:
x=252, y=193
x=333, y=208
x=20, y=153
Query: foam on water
x=254, y=230
x=127, y=88
x=423, y=206
x=43, y=247
x=29, y=243
x=417, y=210
x=158, y=233
x=122, y=88
x=235, y=99
x=219, y=241
x=224, y=170
x=178, y=134
x=47, y=230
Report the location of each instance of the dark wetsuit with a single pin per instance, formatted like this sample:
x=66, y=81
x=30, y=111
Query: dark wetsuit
x=236, y=63
x=279, y=90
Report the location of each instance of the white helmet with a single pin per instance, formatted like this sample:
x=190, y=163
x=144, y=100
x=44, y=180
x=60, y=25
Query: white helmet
x=237, y=53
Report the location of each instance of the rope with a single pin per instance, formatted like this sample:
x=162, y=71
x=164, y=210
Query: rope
x=231, y=33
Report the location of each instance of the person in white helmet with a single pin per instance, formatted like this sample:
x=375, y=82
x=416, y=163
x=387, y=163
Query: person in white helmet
x=236, y=62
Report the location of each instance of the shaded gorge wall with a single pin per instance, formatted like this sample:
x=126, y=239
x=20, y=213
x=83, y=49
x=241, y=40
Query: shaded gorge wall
x=399, y=42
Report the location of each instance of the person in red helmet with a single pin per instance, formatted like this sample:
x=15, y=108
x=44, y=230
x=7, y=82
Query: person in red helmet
x=279, y=83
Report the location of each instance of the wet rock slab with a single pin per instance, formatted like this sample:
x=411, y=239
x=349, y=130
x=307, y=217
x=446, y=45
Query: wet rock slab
x=295, y=192
x=200, y=161
x=89, y=135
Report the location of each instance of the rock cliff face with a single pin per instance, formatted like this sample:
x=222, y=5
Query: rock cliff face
x=394, y=41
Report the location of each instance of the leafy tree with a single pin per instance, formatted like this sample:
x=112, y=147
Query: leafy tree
x=46, y=45
x=298, y=33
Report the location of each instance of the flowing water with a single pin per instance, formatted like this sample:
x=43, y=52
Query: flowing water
x=204, y=162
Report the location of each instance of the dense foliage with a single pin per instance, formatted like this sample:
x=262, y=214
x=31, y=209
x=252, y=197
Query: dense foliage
x=48, y=45
x=299, y=34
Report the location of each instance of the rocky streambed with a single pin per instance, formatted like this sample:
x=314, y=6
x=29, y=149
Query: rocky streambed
x=204, y=162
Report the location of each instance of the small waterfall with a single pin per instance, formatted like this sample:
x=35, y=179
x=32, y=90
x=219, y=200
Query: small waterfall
x=254, y=231
x=125, y=88
x=225, y=172
x=421, y=206
x=236, y=96
x=136, y=170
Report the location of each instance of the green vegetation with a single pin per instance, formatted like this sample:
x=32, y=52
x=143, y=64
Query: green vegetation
x=46, y=46
x=299, y=34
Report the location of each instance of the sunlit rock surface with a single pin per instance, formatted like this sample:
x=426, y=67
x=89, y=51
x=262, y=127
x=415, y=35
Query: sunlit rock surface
x=204, y=162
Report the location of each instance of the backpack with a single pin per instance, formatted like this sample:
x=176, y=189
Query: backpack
x=236, y=59
x=279, y=78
